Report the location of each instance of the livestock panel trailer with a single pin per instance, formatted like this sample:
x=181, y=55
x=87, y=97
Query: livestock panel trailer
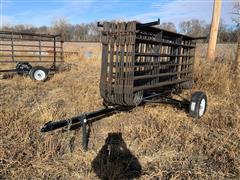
x=141, y=64
x=36, y=55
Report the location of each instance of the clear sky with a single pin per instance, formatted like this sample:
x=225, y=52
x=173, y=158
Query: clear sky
x=43, y=12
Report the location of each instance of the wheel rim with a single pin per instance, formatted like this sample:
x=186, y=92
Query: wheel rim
x=39, y=75
x=202, y=107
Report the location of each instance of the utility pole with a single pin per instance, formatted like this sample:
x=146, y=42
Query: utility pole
x=214, y=29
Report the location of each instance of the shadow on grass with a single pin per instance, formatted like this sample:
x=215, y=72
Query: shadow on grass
x=115, y=160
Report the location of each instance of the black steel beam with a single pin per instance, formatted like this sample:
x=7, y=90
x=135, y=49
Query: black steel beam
x=8, y=70
x=50, y=126
x=29, y=34
x=154, y=23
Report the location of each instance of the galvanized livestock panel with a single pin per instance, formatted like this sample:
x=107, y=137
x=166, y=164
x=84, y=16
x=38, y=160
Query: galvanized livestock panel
x=138, y=58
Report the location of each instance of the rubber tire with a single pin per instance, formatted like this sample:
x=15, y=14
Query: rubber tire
x=34, y=69
x=196, y=99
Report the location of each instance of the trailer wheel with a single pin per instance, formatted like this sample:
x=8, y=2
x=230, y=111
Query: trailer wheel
x=198, y=105
x=38, y=73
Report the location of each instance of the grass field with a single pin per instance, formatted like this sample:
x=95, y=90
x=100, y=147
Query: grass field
x=157, y=142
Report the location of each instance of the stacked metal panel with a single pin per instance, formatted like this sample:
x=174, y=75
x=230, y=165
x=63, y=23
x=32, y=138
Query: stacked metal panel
x=137, y=58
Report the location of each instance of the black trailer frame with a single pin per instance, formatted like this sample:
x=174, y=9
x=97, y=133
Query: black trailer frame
x=24, y=49
x=86, y=119
x=117, y=88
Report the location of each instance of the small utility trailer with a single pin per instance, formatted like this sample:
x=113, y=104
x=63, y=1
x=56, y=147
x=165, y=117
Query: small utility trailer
x=36, y=55
x=141, y=64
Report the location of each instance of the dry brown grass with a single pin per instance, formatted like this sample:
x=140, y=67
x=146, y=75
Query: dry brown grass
x=167, y=143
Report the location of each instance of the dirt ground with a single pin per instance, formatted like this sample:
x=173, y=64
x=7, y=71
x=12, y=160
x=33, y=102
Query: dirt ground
x=151, y=142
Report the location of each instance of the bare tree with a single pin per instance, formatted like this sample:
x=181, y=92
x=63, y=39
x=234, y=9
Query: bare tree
x=7, y=27
x=93, y=32
x=43, y=30
x=225, y=34
x=61, y=26
x=236, y=13
x=194, y=27
x=90, y=31
x=80, y=32
x=169, y=26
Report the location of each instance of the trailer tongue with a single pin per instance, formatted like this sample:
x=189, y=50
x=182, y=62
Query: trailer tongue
x=141, y=64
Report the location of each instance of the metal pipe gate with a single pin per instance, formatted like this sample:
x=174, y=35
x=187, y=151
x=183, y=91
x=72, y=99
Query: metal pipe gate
x=18, y=47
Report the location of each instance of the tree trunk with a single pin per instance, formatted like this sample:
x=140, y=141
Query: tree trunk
x=214, y=30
